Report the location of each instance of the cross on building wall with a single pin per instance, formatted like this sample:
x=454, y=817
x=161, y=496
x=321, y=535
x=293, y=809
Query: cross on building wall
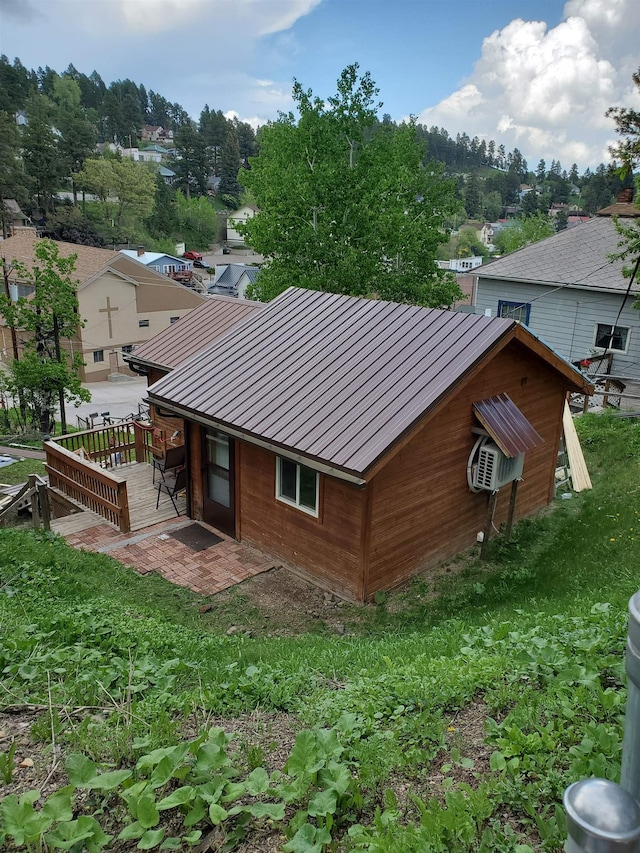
x=108, y=311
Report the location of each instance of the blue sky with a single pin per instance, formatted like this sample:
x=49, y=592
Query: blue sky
x=536, y=75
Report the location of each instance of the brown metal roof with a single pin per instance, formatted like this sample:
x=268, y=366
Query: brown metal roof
x=193, y=332
x=506, y=425
x=331, y=377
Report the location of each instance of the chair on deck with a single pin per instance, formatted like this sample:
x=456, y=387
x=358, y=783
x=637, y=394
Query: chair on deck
x=173, y=487
x=173, y=458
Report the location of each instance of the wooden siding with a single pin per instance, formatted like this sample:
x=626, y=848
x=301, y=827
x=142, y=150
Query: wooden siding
x=327, y=548
x=567, y=318
x=422, y=509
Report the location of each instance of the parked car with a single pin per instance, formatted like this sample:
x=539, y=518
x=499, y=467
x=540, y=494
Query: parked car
x=193, y=256
x=202, y=265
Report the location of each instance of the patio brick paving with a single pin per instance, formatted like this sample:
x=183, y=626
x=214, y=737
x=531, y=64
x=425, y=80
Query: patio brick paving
x=206, y=572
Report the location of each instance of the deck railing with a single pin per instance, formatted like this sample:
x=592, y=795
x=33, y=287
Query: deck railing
x=110, y=446
x=78, y=465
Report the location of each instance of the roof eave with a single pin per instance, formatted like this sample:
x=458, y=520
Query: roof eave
x=353, y=477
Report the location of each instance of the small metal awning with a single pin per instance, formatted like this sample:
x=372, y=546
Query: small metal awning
x=506, y=425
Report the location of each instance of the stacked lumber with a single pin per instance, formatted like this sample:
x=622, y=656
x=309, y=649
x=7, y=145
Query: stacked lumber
x=577, y=466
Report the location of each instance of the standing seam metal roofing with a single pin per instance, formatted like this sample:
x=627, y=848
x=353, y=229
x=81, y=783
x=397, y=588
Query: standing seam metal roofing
x=332, y=377
x=195, y=330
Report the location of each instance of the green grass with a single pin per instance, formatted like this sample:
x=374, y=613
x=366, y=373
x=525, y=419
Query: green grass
x=19, y=471
x=460, y=718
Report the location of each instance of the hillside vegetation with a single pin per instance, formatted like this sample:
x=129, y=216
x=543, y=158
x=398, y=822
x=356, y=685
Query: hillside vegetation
x=447, y=718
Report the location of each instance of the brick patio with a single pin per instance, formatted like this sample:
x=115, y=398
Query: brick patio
x=153, y=550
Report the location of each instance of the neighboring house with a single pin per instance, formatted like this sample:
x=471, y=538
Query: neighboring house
x=13, y=219
x=167, y=175
x=122, y=303
x=153, y=154
x=566, y=290
x=484, y=230
x=461, y=264
x=336, y=433
x=152, y=133
x=233, y=280
x=158, y=261
x=234, y=237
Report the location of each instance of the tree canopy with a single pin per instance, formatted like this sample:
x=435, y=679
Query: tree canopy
x=47, y=372
x=345, y=202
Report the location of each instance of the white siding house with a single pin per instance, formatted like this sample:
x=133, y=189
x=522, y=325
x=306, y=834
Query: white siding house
x=568, y=292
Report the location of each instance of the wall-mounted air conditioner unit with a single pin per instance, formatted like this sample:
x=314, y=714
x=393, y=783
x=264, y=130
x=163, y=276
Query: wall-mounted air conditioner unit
x=493, y=469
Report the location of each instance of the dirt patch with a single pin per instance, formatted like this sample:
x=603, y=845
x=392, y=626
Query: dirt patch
x=260, y=739
x=281, y=603
x=35, y=764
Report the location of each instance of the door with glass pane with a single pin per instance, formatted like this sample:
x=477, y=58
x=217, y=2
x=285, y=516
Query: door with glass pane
x=218, y=481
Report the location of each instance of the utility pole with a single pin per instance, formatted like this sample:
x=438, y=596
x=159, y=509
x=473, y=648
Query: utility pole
x=63, y=412
x=14, y=338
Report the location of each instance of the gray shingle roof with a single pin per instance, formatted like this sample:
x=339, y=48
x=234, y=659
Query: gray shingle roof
x=577, y=257
x=334, y=378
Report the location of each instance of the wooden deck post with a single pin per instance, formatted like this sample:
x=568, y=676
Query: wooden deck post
x=140, y=443
x=123, y=503
x=512, y=509
x=45, y=505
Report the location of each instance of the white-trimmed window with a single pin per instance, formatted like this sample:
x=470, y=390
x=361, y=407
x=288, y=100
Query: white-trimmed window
x=297, y=485
x=616, y=342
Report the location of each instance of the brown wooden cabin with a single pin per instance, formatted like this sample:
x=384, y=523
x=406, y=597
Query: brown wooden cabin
x=335, y=433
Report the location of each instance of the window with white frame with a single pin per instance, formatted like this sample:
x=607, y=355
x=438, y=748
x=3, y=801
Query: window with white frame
x=297, y=485
x=615, y=339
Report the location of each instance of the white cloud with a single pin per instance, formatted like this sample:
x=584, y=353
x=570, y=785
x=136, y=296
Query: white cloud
x=246, y=18
x=546, y=91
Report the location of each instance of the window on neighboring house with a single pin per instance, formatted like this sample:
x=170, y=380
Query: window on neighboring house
x=169, y=268
x=514, y=311
x=98, y=355
x=127, y=348
x=297, y=485
x=143, y=324
x=173, y=319
x=616, y=342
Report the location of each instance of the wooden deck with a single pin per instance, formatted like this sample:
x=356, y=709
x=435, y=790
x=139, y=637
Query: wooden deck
x=142, y=504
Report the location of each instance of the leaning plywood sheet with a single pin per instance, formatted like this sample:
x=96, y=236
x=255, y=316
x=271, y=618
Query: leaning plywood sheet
x=578, y=467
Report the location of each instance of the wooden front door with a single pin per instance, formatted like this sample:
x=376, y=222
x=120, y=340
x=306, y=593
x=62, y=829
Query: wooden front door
x=219, y=481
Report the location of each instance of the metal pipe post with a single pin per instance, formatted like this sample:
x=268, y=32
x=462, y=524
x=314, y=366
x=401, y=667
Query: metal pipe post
x=630, y=773
x=601, y=818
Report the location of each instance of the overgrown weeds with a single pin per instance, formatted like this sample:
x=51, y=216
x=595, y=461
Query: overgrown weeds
x=118, y=665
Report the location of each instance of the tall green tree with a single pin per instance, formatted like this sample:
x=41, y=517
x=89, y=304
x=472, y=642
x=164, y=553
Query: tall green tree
x=627, y=120
x=522, y=232
x=628, y=151
x=163, y=221
x=124, y=188
x=473, y=196
x=193, y=162
x=12, y=178
x=230, y=166
x=78, y=135
x=48, y=374
x=40, y=153
x=346, y=205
